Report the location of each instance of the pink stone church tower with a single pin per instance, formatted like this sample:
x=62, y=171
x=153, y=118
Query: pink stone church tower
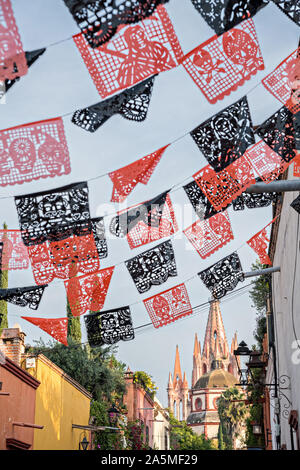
x=215, y=356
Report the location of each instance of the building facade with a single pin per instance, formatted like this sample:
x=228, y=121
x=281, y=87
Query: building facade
x=284, y=325
x=60, y=403
x=17, y=395
x=40, y=395
x=214, y=370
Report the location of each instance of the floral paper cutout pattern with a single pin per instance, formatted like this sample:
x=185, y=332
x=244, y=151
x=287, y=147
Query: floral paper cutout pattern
x=223, y=276
x=88, y=292
x=208, y=236
x=224, y=138
x=99, y=20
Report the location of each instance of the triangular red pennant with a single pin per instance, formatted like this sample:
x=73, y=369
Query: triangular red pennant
x=88, y=292
x=126, y=178
x=55, y=327
x=259, y=243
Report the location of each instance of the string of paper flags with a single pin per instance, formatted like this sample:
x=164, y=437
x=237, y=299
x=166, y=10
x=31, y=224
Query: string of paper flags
x=56, y=227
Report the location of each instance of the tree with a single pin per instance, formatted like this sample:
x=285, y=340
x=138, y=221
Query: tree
x=233, y=412
x=74, y=327
x=93, y=368
x=3, y=285
x=145, y=380
x=182, y=437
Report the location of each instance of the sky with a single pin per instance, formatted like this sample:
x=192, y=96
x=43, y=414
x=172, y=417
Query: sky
x=59, y=83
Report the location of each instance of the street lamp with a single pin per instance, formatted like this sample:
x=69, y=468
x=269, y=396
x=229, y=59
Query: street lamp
x=113, y=415
x=84, y=444
x=256, y=429
x=242, y=350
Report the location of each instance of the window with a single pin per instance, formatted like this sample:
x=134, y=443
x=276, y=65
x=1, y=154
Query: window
x=198, y=404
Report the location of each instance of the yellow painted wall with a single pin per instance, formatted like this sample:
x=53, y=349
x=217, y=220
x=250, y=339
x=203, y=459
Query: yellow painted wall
x=58, y=405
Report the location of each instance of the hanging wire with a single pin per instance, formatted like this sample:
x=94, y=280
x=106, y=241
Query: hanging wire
x=195, y=311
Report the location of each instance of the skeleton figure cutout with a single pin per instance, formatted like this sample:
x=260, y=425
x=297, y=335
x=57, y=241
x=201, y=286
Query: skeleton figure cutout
x=222, y=64
x=35, y=150
x=14, y=254
x=133, y=54
x=12, y=58
x=144, y=58
x=168, y=306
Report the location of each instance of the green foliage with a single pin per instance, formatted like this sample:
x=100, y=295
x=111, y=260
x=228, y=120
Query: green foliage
x=93, y=368
x=255, y=392
x=259, y=294
x=233, y=413
x=145, y=380
x=134, y=435
x=3, y=285
x=74, y=328
x=182, y=437
x=106, y=439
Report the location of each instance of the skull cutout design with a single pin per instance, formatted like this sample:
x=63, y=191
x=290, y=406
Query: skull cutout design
x=178, y=299
x=242, y=50
x=161, y=307
x=22, y=152
x=52, y=154
x=4, y=164
x=53, y=207
x=204, y=62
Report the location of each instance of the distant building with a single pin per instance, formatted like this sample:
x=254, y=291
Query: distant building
x=40, y=394
x=214, y=371
x=148, y=411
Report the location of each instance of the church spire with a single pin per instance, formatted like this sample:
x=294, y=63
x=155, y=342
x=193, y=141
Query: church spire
x=215, y=344
x=196, y=374
x=177, y=369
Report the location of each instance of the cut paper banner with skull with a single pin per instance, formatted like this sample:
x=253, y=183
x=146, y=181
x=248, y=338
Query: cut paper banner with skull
x=134, y=54
x=168, y=306
x=55, y=327
x=222, y=64
x=54, y=215
x=33, y=151
x=109, y=327
x=284, y=81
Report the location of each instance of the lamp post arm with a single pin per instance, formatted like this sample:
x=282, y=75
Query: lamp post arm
x=279, y=186
x=261, y=272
